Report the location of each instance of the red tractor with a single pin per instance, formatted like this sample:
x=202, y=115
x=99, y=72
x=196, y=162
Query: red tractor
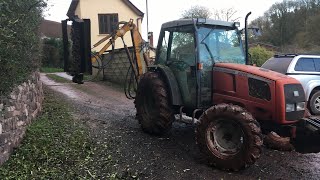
x=201, y=70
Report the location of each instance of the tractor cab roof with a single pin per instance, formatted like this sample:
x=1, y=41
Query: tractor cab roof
x=183, y=22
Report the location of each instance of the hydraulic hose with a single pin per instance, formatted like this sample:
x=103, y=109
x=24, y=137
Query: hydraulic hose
x=130, y=84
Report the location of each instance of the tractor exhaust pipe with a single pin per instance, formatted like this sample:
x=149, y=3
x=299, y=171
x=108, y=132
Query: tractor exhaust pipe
x=246, y=37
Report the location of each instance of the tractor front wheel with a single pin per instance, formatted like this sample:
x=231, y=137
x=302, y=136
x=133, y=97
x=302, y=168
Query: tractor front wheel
x=154, y=111
x=229, y=136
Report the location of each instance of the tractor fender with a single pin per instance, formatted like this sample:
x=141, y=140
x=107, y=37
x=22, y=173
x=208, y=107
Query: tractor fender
x=172, y=85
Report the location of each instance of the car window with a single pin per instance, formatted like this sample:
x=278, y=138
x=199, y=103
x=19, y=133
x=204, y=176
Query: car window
x=305, y=64
x=317, y=64
x=278, y=64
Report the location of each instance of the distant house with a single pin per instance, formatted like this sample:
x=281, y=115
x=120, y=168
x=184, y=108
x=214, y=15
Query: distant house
x=50, y=29
x=104, y=16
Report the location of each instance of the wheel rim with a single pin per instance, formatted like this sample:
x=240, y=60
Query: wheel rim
x=225, y=138
x=317, y=103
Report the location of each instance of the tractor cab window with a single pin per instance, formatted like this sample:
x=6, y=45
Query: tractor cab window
x=164, y=48
x=219, y=45
x=182, y=59
x=183, y=47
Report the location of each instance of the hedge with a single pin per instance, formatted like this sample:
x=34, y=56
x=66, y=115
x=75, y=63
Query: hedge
x=259, y=55
x=19, y=40
x=52, y=53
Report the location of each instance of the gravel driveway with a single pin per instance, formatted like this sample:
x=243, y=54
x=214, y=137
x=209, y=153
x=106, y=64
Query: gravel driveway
x=111, y=118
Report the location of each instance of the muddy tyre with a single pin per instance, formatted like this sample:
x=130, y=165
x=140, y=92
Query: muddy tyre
x=314, y=103
x=154, y=111
x=229, y=137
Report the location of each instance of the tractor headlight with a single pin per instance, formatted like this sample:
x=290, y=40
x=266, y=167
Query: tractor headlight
x=289, y=107
x=301, y=106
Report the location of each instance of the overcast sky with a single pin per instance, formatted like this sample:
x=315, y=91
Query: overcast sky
x=161, y=11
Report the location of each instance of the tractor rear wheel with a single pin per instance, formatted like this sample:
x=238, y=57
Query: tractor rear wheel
x=229, y=136
x=154, y=111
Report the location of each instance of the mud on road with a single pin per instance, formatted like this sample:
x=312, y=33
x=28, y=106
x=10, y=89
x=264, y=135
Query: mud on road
x=111, y=119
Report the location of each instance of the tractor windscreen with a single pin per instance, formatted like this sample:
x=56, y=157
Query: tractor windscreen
x=219, y=45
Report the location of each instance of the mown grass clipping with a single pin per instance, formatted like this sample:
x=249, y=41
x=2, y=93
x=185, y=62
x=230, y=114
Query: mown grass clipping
x=55, y=147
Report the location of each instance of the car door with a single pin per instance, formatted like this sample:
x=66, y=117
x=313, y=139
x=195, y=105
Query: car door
x=306, y=70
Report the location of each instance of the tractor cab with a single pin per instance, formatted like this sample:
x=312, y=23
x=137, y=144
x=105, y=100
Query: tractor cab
x=191, y=47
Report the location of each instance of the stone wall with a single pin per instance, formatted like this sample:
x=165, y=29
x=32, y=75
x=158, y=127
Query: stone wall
x=117, y=68
x=17, y=110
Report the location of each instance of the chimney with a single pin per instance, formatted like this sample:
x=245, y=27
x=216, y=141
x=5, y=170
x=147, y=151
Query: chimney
x=150, y=38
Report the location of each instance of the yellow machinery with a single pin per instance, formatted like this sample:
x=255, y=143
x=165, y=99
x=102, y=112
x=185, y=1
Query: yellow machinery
x=83, y=59
x=135, y=61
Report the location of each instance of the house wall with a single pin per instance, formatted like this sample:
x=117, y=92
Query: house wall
x=89, y=9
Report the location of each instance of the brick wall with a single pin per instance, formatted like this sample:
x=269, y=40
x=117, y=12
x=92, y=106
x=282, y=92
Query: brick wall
x=17, y=110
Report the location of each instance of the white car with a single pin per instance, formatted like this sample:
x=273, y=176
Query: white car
x=304, y=68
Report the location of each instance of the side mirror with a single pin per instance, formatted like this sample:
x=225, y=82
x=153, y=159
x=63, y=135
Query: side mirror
x=241, y=31
x=255, y=30
x=168, y=62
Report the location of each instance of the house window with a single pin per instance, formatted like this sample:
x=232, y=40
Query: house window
x=107, y=23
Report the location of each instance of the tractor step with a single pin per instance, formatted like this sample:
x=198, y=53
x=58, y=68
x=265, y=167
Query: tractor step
x=314, y=121
x=308, y=136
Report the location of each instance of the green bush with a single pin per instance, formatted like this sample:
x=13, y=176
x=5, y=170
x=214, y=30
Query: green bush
x=19, y=40
x=52, y=53
x=259, y=55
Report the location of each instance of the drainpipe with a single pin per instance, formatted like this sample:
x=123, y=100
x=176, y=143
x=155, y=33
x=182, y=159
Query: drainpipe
x=246, y=38
x=147, y=11
x=150, y=38
x=138, y=23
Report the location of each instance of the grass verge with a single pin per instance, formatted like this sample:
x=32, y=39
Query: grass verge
x=57, y=78
x=55, y=147
x=50, y=70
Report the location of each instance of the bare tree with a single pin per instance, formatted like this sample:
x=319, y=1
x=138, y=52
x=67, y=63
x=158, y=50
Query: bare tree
x=226, y=15
x=196, y=12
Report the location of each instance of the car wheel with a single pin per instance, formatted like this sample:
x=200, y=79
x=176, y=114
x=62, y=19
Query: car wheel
x=314, y=103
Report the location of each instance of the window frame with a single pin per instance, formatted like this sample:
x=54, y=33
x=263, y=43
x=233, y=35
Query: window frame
x=109, y=18
x=315, y=64
x=292, y=65
x=303, y=59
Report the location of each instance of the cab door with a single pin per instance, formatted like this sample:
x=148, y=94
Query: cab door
x=177, y=51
